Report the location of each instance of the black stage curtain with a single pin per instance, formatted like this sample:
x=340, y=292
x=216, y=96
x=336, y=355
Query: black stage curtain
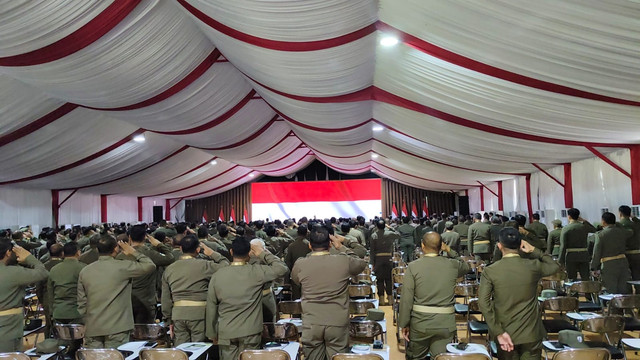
x=393, y=192
x=239, y=198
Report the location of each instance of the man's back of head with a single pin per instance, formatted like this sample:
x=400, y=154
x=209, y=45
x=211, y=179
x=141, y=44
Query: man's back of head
x=432, y=241
x=573, y=213
x=510, y=238
x=380, y=224
x=70, y=249
x=240, y=248
x=138, y=233
x=107, y=245
x=477, y=217
x=302, y=230
x=56, y=250
x=319, y=238
x=190, y=244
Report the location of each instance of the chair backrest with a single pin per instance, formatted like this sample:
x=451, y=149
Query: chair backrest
x=586, y=287
x=359, y=290
x=69, y=331
x=474, y=264
x=99, y=354
x=366, y=271
x=462, y=356
x=349, y=356
x=279, y=332
x=398, y=278
x=148, y=331
x=625, y=302
x=361, y=278
x=163, y=354
x=365, y=329
x=398, y=270
x=473, y=305
x=264, y=355
x=548, y=284
x=561, y=303
x=14, y=356
x=560, y=275
x=611, y=327
x=582, y=354
x=360, y=307
x=290, y=307
x=466, y=290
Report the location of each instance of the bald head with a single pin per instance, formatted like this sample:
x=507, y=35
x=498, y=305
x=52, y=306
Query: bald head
x=56, y=250
x=432, y=241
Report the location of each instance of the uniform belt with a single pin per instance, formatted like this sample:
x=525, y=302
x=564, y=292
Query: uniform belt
x=481, y=242
x=632, y=252
x=609, y=258
x=433, y=309
x=577, y=250
x=189, y=303
x=14, y=311
x=384, y=254
x=266, y=292
x=557, y=246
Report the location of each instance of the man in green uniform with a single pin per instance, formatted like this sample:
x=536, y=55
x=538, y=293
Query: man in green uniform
x=351, y=241
x=406, y=243
x=426, y=316
x=479, y=236
x=104, y=294
x=92, y=255
x=299, y=248
x=507, y=297
x=291, y=229
x=538, y=228
x=259, y=230
x=356, y=232
x=144, y=292
x=381, y=251
x=56, y=252
x=462, y=228
x=324, y=279
x=609, y=257
x=450, y=237
x=13, y=280
x=184, y=290
x=574, y=253
x=269, y=306
x=553, y=240
x=234, y=299
x=165, y=228
x=529, y=236
x=633, y=243
x=63, y=286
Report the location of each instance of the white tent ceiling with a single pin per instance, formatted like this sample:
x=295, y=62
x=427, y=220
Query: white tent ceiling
x=474, y=91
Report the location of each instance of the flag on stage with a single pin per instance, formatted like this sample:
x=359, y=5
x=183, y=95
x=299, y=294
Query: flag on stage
x=245, y=216
x=414, y=209
x=394, y=211
x=425, y=208
x=404, y=208
x=221, y=216
x=232, y=217
x=205, y=218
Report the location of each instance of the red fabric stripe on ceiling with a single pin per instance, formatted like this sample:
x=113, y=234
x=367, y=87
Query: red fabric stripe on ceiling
x=194, y=169
x=276, y=44
x=79, y=39
x=79, y=162
x=37, y=124
x=419, y=177
x=294, y=192
x=246, y=140
x=176, y=88
x=285, y=167
x=196, y=184
x=486, y=69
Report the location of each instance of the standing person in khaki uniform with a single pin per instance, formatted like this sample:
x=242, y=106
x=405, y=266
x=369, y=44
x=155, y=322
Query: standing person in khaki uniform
x=507, y=297
x=450, y=237
x=144, y=292
x=63, y=286
x=42, y=292
x=463, y=229
x=234, y=299
x=609, y=256
x=538, y=228
x=299, y=248
x=529, y=236
x=184, y=290
x=381, y=251
x=92, y=255
x=13, y=280
x=427, y=316
x=269, y=306
x=406, y=244
x=479, y=236
x=574, y=253
x=633, y=243
x=104, y=294
x=553, y=240
x=325, y=299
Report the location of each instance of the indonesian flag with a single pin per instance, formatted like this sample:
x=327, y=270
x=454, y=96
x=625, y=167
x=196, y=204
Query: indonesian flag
x=404, y=208
x=394, y=211
x=221, y=216
x=232, y=217
x=425, y=208
x=205, y=218
x=245, y=216
x=414, y=209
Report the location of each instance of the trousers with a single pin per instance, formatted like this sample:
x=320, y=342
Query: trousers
x=188, y=331
x=528, y=351
x=231, y=349
x=322, y=342
x=433, y=341
x=107, y=341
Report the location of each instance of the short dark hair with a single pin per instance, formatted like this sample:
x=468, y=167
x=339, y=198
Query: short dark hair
x=56, y=250
x=450, y=227
x=17, y=235
x=609, y=218
x=160, y=236
x=477, y=216
x=345, y=227
x=138, y=233
x=406, y=219
x=270, y=230
x=241, y=246
x=380, y=224
x=496, y=220
x=203, y=233
x=5, y=245
x=319, y=238
x=536, y=216
x=625, y=210
x=223, y=231
x=70, y=248
x=302, y=230
x=521, y=219
x=189, y=244
x=573, y=213
x=181, y=228
x=510, y=238
x=106, y=244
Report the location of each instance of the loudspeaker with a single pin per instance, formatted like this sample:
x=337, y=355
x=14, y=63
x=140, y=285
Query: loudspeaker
x=157, y=214
x=463, y=203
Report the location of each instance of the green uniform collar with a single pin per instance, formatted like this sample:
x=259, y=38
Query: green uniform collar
x=430, y=255
x=510, y=255
x=238, y=263
x=319, y=253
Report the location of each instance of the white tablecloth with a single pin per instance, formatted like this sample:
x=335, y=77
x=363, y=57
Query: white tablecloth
x=292, y=348
x=471, y=349
x=197, y=349
x=384, y=352
x=632, y=343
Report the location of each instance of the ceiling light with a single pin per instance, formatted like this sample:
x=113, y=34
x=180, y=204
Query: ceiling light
x=213, y=162
x=374, y=156
x=378, y=128
x=388, y=41
x=251, y=175
x=139, y=138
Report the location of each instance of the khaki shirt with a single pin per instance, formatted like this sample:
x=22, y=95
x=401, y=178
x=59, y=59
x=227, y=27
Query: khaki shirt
x=610, y=241
x=452, y=239
x=63, y=289
x=421, y=286
x=104, y=293
x=539, y=229
x=406, y=234
x=13, y=280
x=90, y=256
x=234, y=299
x=574, y=236
x=633, y=242
x=382, y=242
x=553, y=242
x=324, y=279
x=297, y=249
x=507, y=295
x=188, y=279
x=480, y=231
x=462, y=229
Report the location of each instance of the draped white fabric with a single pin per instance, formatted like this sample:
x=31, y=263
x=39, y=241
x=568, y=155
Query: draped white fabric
x=266, y=87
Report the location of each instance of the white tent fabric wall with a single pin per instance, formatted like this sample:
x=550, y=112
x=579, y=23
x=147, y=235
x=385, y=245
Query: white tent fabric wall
x=20, y=207
x=122, y=209
x=82, y=208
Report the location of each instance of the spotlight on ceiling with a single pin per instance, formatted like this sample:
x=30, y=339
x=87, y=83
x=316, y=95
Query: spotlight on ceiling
x=139, y=138
x=374, y=155
x=251, y=175
x=213, y=162
x=377, y=128
x=388, y=40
